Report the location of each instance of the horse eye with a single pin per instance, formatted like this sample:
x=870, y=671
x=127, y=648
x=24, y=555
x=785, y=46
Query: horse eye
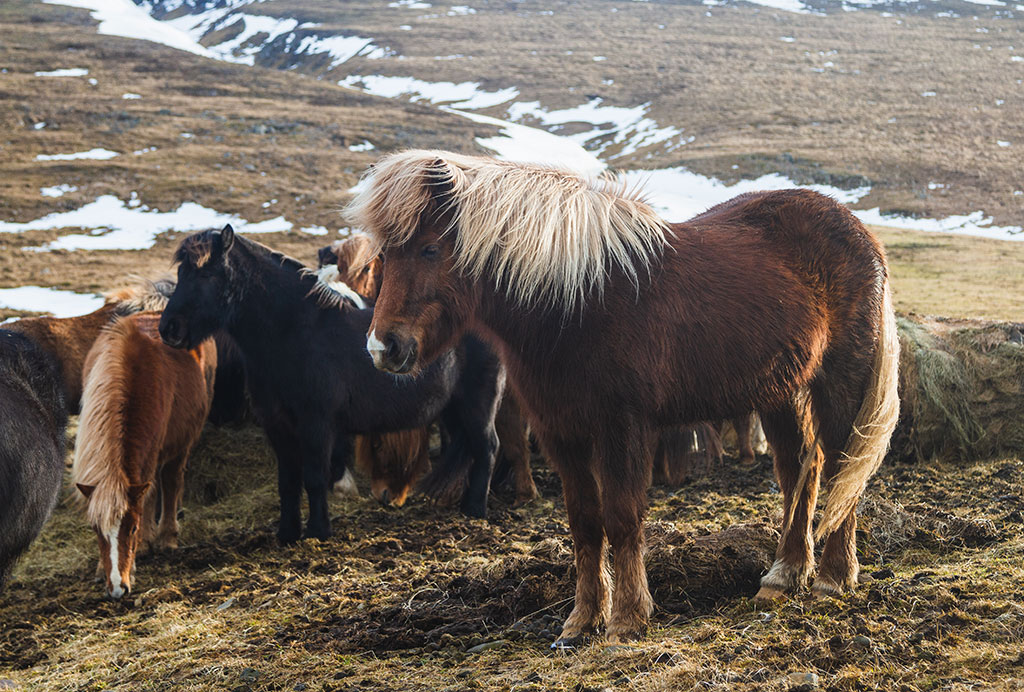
x=431, y=251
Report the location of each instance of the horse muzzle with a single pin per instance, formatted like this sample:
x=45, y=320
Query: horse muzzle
x=173, y=330
x=393, y=353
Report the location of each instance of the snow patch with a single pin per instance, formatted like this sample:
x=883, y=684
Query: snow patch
x=57, y=302
x=93, y=154
x=465, y=95
x=362, y=146
x=67, y=72
x=530, y=145
x=57, y=190
x=124, y=18
x=130, y=96
x=617, y=130
x=118, y=225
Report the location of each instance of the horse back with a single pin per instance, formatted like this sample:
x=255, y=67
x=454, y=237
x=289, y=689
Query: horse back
x=162, y=393
x=68, y=340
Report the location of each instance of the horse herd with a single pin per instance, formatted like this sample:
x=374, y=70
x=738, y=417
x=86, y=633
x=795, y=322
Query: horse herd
x=486, y=297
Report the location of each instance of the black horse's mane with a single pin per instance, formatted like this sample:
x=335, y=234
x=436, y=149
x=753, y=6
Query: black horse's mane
x=198, y=248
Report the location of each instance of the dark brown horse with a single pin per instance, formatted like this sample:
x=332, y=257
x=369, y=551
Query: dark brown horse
x=68, y=339
x=614, y=324
x=143, y=408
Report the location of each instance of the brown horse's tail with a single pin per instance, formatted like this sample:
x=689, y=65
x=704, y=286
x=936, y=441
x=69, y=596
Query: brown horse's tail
x=875, y=422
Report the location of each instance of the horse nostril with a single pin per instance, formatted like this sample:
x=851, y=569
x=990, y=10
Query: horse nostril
x=385, y=497
x=390, y=347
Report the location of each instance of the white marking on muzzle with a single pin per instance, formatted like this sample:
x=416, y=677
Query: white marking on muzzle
x=375, y=347
x=116, y=589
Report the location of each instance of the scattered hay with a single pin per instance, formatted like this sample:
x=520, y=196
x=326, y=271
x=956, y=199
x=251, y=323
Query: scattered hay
x=226, y=461
x=961, y=389
x=892, y=528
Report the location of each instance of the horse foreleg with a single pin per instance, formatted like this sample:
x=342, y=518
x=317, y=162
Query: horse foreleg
x=625, y=476
x=744, y=427
x=316, y=458
x=172, y=486
x=289, y=484
x=483, y=446
x=794, y=558
x=592, y=606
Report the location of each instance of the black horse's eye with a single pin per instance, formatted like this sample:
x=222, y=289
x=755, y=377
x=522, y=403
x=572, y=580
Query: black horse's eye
x=431, y=251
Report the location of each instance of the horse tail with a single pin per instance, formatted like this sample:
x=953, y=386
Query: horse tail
x=100, y=446
x=875, y=422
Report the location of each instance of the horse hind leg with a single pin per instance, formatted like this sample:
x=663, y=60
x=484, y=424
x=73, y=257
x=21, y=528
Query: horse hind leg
x=797, y=469
x=839, y=567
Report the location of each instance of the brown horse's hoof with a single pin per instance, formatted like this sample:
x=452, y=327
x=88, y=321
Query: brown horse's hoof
x=747, y=463
x=771, y=593
x=621, y=641
x=824, y=588
x=573, y=642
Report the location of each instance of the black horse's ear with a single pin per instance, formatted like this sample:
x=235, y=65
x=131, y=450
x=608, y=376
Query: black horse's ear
x=227, y=237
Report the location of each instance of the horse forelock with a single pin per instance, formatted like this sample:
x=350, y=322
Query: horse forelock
x=196, y=249
x=543, y=234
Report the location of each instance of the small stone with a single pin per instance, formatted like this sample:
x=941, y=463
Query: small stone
x=861, y=642
x=300, y=686
x=486, y=646
x=804, y=681
x=226, y=604
x=249, y=675
x=8, y=684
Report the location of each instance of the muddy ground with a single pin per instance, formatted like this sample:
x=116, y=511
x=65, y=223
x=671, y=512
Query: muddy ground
x=406, y=599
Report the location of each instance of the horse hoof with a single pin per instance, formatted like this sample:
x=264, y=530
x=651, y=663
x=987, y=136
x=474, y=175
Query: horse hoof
x=748, y=463
x=770, y=593
x=571, y=643
x=826, y=589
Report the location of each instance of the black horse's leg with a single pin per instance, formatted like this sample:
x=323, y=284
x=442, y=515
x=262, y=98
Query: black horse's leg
x=289, y=484
x=482, y=445
x=317, y=450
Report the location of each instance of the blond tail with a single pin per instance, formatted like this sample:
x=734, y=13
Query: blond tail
x=869, y=440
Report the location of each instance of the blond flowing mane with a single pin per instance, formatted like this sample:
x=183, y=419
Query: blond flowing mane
x=142, y=294
x=100, y=443
x=543, y=234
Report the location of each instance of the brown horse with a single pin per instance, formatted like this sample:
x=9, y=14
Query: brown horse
x=395, y=461
x=613, y=323
x=69, y=339
x=143, y=408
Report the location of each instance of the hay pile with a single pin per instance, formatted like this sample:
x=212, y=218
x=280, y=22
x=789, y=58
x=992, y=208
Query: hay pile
x=961, y=389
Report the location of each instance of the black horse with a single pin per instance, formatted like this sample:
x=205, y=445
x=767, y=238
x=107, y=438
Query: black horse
x=312, y=382
x=33, y=417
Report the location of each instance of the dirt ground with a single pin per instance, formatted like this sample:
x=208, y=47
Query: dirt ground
x=424, y=599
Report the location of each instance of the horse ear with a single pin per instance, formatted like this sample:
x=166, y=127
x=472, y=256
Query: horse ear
x=86, y=490
x=227, y=237
x=135, y=492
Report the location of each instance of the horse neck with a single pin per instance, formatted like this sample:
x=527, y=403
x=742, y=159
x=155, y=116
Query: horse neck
x=267, y=297
x=527, y=336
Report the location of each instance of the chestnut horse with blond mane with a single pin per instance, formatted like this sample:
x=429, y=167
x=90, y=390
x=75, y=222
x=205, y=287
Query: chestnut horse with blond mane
x=143, y=408
x=613, y=324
